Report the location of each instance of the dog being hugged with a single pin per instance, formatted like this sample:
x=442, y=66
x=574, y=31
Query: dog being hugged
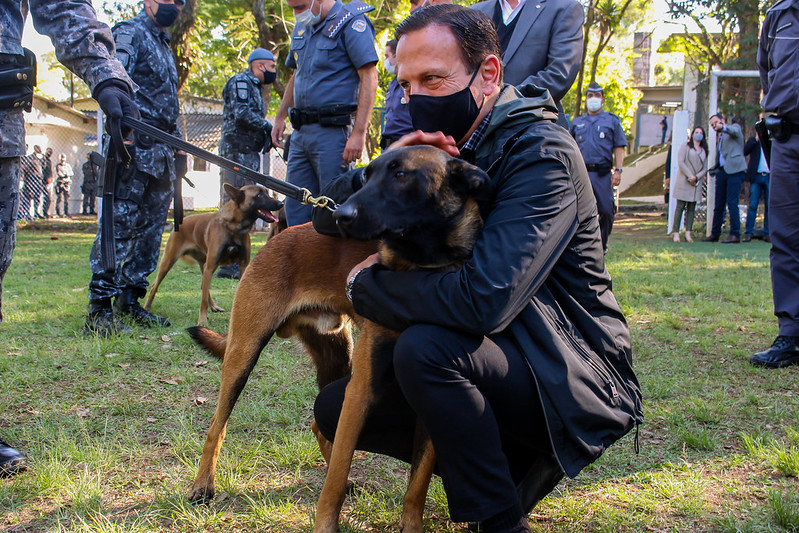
x=218, y=238
x=419, y=209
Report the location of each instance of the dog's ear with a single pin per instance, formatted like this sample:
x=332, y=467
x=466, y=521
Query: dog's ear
x=237, y=195
x=469, y=180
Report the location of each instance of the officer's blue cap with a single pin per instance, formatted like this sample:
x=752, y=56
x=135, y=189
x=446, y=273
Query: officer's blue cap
x=260, y=53
x=595, y=87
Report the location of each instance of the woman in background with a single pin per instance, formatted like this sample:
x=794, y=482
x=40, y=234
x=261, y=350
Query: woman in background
x=686, y=188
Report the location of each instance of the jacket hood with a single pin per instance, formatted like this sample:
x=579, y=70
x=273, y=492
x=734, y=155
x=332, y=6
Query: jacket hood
x=516, y=108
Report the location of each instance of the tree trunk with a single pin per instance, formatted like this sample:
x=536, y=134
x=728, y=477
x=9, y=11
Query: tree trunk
x=180, y=43
x=589, y=21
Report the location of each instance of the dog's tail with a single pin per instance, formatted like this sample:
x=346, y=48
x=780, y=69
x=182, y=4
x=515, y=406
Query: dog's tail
x=213, y=342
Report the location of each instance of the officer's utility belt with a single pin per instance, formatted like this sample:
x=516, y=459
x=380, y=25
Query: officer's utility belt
x=329, y=116
x=602, y=169
x=781, y=128
x=388, y=140
x=17, y=80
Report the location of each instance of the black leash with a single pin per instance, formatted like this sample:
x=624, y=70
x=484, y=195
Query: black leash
x=115, y=156
x=300, y=194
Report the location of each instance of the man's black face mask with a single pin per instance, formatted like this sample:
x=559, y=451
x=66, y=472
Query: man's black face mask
x=452, y=114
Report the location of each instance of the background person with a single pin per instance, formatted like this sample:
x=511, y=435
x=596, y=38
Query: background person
x=89, y=186
x=776, y=60
x=335, y=78
x=484, y=358
x=541, y=42
x=729, y=177
x=245, y=131
x=687, y=187
x=601, y=139
x=757, y=174
x=144, y=189
x=63, y=181
x=398, y=119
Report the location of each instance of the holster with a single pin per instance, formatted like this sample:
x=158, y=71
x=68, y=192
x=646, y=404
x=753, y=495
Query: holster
x=17, y=81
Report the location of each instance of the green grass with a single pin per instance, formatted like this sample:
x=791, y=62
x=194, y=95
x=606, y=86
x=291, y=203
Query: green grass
x=114, y=428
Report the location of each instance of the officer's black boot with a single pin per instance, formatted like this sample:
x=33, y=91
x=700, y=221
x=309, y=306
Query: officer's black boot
x=229, y=271
x=127, y=304
x=101, y=321
x=11, y=461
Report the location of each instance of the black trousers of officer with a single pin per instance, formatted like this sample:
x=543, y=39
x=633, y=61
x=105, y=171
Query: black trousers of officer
x=605, y=205
x=479, y=402
x=784, y=228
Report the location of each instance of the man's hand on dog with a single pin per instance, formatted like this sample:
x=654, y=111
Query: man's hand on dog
x=437, y=139
x=366, y=263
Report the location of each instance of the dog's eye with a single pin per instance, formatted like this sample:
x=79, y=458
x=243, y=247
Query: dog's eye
x=400, y=174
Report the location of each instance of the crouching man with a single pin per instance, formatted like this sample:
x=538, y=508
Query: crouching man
x=518, y=363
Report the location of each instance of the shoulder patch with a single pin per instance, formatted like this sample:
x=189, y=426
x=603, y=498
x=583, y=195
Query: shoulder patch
x=124, y=41
x=242, y=91
x=359, y=25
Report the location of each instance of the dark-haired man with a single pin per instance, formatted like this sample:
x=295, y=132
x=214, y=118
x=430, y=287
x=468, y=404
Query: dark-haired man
x=731, y=166
x=518, y=363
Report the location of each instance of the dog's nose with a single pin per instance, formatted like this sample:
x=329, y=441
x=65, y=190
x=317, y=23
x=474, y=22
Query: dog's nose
x=344, y=215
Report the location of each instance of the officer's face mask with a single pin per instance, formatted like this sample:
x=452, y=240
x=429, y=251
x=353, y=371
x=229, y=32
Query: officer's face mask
x=269, y=76
x=452, y=114
x=166, y=14
x=391, y=69
x=593, y=104
x=307, y=17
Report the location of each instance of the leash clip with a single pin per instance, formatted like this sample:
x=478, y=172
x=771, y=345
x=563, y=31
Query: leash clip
x=322, y=202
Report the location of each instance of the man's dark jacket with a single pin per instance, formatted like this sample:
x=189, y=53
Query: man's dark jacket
x=537, y=273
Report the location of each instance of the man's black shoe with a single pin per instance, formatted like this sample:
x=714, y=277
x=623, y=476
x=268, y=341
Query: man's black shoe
x=784, y=352
x=11, y=461
x=229, y=271
x=710, y=239
x=127, y=304
x=101, y=321
x=746, y=238
x=732, y=239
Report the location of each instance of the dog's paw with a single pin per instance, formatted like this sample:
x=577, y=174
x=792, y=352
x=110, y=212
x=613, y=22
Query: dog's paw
x=201, y=496
x=216, y=309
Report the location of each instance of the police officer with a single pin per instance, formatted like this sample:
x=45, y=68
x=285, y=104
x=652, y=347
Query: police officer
x=85, y=46
x=398, y=118
x=333, y=54
x=89, y=186
x=245, y=131
x=776, y=59
x=601, y=140
x=143, y=191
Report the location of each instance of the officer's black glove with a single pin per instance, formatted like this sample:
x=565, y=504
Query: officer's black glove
x=115, y=100
x=181, y=166
x=268, y=144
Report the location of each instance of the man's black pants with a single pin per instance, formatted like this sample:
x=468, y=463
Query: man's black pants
x=479, y=402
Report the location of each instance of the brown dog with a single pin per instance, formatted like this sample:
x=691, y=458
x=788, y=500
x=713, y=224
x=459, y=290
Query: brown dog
x=295, y=287
x=215, y=239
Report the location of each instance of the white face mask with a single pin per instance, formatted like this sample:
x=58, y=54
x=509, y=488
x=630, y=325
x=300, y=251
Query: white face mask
x=391, y=69
x=593, y=104
x=307, y=17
